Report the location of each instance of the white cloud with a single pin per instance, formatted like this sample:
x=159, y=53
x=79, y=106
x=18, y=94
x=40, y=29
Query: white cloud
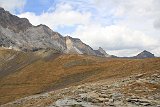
x=157, y=23
x=115, y=37
x=156, y=51
x=64, y=15
x=132, y=28
x=125, y=52
x=13, y=5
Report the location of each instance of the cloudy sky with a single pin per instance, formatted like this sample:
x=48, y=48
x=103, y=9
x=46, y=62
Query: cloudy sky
x=121, y=27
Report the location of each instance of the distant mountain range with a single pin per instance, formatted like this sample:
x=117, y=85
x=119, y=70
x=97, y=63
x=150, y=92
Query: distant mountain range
x=19, y=34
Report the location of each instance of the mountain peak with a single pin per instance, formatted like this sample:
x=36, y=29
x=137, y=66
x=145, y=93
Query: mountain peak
x=101, y=49
x=73, y=39
x=102, y=52
x=146, y=51
x=145, y=54
x=2, y=9
x=75, y=45
x=12, y=22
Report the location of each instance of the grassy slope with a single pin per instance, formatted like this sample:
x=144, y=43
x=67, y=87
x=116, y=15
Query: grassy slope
x=59, y=71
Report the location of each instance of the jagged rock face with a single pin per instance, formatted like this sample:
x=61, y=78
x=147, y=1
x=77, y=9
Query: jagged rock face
x=145, y=54
x=19, y=33
x=13, y=22
x=75, y=45
x=102, y=52
x=98, y=53
x=33, y=38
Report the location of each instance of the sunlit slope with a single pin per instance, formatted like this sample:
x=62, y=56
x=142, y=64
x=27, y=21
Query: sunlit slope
x=54, y=71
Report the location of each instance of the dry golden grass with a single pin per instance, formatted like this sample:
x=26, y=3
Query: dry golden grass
x=59, y=71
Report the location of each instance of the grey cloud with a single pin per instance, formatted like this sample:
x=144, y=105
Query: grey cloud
x=156, y=24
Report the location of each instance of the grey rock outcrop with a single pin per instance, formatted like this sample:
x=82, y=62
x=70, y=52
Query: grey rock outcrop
x=13, y=22
x=75, y=45
x=102, y=52
x=19, y=33
x=33, y=38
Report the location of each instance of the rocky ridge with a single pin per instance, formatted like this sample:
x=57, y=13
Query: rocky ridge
x=19, y=34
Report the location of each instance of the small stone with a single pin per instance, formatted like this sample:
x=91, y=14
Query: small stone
x=111, y=100
x=138, y=101
x=103, y=100
x=103, y=95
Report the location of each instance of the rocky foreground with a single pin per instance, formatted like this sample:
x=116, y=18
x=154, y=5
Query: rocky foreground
x=137, y=90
